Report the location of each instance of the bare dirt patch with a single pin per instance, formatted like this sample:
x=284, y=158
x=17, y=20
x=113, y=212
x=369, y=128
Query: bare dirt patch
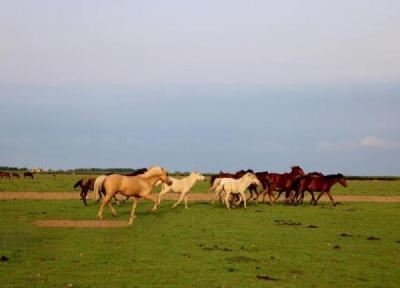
x=81, y=223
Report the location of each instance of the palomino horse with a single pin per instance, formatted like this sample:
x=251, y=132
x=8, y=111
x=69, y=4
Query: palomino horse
x=86, y=184
x=321, y=184
x=182, y=186
x=238, y=186
x=136, y=187
x=98, y=184
x=282, y=183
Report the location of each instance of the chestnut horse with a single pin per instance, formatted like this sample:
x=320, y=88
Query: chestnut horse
x=282, y=183
x=299, y=184
x=320, y=184
x=16, y=175
x=136, y=187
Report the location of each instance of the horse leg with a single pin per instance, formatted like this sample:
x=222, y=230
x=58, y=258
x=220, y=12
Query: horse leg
x=132, y=216
x=331, y=198
x=319, y=196
x=227, y=195
x=312, y=197
x=186, y=206
x=83, y=195
x=147, y=197
x=244, y=199
x=164, y=191
x=179, y=200
x=106, y=200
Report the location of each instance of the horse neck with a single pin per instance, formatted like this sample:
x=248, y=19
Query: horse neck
x=244, y=183
x=153, y=179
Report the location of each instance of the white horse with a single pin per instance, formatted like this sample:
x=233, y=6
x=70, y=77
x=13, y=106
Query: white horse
x=237, y=186
x=181, y=186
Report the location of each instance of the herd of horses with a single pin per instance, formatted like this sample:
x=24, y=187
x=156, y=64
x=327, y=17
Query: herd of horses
x=229, y=187
x=10, y=175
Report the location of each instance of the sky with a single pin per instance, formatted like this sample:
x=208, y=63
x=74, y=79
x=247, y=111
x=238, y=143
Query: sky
x=201, y=85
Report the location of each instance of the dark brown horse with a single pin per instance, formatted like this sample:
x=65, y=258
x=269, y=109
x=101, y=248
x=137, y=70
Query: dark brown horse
x=28, y=175
x=282, y=183
x=86, y=184
x=263, y=177
x=322, y=184
x=16, y=175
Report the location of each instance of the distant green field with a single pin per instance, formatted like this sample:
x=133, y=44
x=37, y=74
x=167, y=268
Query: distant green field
x=205, y=246
x=65, y=182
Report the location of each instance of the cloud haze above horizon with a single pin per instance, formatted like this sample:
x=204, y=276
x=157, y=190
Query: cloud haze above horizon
x=202, y=86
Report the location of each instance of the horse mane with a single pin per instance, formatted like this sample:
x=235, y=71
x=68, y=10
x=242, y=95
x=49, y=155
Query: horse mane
x=334, y=176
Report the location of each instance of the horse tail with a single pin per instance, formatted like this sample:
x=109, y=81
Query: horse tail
x=78, y=183
x=98, y=186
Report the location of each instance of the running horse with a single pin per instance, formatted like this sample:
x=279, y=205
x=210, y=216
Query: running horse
x=86, y=184
x=322, y=184
x=282, y=183
x=137, y=187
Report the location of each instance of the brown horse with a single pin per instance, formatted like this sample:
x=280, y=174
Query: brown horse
x=16, y=175
x=282, y=183
x=299, y=185
x=86, y=184
x=28, y=175
x=5, y=175
x=136, y=187
x=263, y=177
x=321, y=184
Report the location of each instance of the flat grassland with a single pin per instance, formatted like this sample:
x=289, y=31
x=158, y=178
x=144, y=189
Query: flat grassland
x=65, y=183
x=351, y=245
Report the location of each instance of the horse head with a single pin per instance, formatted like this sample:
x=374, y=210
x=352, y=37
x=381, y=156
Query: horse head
x=297, y=171
x=342, y=180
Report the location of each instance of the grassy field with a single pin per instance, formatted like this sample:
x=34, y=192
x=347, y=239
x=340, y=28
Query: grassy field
x=203, y=247
x=65, y=182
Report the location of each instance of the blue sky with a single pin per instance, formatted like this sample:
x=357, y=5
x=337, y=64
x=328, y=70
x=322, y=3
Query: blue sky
x=201, y=86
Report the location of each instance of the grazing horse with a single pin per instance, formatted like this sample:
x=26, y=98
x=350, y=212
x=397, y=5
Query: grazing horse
x=5, y=175
x=299, y=185
x=182, y=186
x=28, y=175
x=16, y=175
x=238, y=186
x=282, y=183
x=136, y=187
x=321, y=184
x=86, y=184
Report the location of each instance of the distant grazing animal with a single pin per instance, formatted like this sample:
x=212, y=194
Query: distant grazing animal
x=16, y=175
x=282, y=183
x=238, y=186
x=5, y=175
x=86, y=184
x=28, y=175
x=320, y=184
x=181, y=186
x=136, y=187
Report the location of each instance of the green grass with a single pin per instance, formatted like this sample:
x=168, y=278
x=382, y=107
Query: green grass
x=202, y=247
x=65, y=182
